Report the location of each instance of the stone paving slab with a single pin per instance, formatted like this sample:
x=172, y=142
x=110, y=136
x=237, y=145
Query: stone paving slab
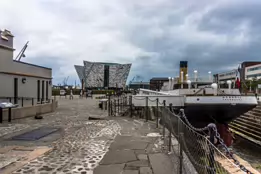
x=160, y=163
x=118, y=157
x=136, y=150
x=109, y=169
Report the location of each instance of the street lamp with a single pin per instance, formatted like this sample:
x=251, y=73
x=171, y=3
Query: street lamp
x=181, y=79
x=169, y=83
x=195, y=75
x=209, y=75
x=187, y=77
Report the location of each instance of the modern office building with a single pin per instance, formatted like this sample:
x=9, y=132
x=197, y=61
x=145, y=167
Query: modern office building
x=223, y=77
x=103, y=75
x=20, y=79
x=253, y=72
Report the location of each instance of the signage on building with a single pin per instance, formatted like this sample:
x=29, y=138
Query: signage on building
x=259, y=86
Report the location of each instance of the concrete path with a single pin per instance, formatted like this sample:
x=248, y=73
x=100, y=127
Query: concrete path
x=138, y=150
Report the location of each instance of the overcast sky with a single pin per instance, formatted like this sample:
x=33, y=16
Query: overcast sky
x=153, y=35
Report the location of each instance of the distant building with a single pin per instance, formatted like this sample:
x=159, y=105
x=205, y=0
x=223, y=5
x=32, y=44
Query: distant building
x=137, y=85
x=20, y=79
x=103, y=75
x=250, y=73
x=156, y=83
x=253, y=72
x=225, y=76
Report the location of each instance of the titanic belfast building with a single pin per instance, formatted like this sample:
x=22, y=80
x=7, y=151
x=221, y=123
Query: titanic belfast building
x=103, y=75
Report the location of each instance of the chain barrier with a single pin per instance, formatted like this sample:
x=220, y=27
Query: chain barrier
x=217, y=136
x=182, y=113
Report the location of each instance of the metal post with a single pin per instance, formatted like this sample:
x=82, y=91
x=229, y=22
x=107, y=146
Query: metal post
x=130, y=102
x=180, y=138
x=22, y=101
x=211, y=151
x=163, y=119
x=9, y=114
x=32, y=101
x=170, y=128
x=115, y=110
x=118, y=105
x=157, y=113
x=147, y=108
x=109, y=105
x=1, y=115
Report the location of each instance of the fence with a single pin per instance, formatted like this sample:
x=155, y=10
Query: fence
x=26, y=101
x=196, y=150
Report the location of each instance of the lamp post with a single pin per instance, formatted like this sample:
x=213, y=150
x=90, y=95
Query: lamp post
x=250, y=89
x=195, y=77
x=181, y=79
x=209, y=76
x=169, y=82
x=187, y=77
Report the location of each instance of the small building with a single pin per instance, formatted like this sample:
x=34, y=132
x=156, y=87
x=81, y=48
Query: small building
x=156, y=83
x=137, y=85
x=20, y=79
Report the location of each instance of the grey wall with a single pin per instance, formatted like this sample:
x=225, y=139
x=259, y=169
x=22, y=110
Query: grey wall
x=25, y=68
x=28, y=89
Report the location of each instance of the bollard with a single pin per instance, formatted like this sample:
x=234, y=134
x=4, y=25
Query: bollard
x=9, y=114
x=105, y=103
x=32, y=101
x=1, y=115
x=130, y=102
x=157, y=113
x=22, y=101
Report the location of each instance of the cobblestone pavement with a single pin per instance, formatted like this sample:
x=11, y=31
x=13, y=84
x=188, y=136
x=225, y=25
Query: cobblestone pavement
x=83, y=143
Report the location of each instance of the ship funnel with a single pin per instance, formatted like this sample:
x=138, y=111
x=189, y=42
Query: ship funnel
x=229, y=86
x=214, y=86
x=189, y=84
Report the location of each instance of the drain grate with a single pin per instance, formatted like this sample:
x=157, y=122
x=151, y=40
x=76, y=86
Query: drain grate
x=35, y=134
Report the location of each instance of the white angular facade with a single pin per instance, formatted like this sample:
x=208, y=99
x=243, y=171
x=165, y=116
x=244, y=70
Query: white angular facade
x=101, y=75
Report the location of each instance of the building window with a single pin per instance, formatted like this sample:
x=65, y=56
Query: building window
x=42, y=90
x=254, y=75
x=254, y=69
x=38, y=90
x=47, y=92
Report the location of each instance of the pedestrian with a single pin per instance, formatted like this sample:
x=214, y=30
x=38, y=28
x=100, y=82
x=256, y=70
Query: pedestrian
x=71, y=95
x=81, y=94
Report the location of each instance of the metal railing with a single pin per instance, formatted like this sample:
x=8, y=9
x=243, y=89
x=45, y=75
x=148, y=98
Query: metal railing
x=197, y=150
